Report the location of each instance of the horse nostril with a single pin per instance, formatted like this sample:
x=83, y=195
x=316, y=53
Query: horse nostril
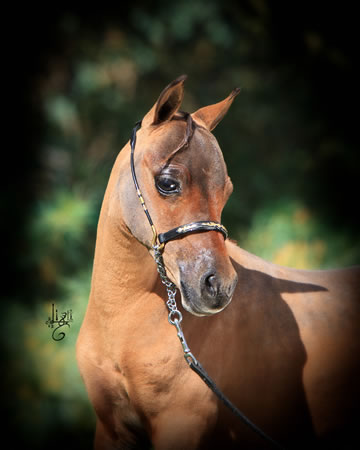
x=211, y=285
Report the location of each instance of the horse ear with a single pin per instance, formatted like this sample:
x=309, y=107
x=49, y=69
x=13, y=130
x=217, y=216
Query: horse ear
x=211, y=115
x=168, y=103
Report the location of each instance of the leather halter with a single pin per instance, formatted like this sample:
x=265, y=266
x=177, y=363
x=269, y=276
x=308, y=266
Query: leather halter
x=175, y=316
x=160, y=240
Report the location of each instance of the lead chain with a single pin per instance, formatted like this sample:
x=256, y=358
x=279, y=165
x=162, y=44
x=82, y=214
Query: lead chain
x=175, y=316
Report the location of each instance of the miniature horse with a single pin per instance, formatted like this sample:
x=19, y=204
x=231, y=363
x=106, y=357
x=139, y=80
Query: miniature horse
x=282, y=344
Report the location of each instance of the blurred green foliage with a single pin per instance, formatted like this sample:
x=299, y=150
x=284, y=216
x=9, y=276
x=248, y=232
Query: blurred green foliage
x=288, y=141
x=286, y=232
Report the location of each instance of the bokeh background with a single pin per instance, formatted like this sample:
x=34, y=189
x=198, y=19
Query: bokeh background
x=80, y=77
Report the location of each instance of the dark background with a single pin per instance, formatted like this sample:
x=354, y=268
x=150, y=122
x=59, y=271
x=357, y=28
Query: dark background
x=78, y=78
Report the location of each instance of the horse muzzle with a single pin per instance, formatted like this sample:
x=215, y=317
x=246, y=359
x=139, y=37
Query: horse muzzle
x=207, y=293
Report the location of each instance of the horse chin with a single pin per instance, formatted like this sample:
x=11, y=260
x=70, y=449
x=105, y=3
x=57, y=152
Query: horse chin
x=189, y=308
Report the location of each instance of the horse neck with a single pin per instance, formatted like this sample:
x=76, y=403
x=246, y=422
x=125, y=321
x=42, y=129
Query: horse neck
x=123, y=269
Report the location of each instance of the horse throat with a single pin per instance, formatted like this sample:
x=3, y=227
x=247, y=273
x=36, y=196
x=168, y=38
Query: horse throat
x=123, y=268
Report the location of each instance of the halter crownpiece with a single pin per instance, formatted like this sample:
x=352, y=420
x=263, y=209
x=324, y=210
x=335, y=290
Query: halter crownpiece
x=160, y=240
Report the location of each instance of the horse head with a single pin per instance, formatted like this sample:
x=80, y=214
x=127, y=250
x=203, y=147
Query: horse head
x=183, y=178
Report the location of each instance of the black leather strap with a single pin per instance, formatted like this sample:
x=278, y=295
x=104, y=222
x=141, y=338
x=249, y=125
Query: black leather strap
x=193, y=227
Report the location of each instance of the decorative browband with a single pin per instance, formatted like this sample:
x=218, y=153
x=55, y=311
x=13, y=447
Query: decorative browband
x=193, y=227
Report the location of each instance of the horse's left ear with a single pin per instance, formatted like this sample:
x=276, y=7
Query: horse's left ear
x=211, y=115
x=167, y=104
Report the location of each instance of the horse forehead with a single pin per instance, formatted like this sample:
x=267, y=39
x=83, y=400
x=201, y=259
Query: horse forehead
x=202, y=155
x=204, y=152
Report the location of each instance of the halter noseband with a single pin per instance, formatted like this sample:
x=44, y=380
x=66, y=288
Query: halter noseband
x=160, y=240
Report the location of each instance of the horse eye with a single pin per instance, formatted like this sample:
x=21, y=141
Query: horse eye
x=167, y=185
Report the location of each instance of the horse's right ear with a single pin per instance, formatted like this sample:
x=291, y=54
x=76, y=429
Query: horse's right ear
x=211, y=115
x=167, y=104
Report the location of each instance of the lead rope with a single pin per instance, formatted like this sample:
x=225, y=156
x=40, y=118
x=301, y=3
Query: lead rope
x=175, y=318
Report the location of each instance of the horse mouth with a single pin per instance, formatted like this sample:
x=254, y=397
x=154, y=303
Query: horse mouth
x=190, y=300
